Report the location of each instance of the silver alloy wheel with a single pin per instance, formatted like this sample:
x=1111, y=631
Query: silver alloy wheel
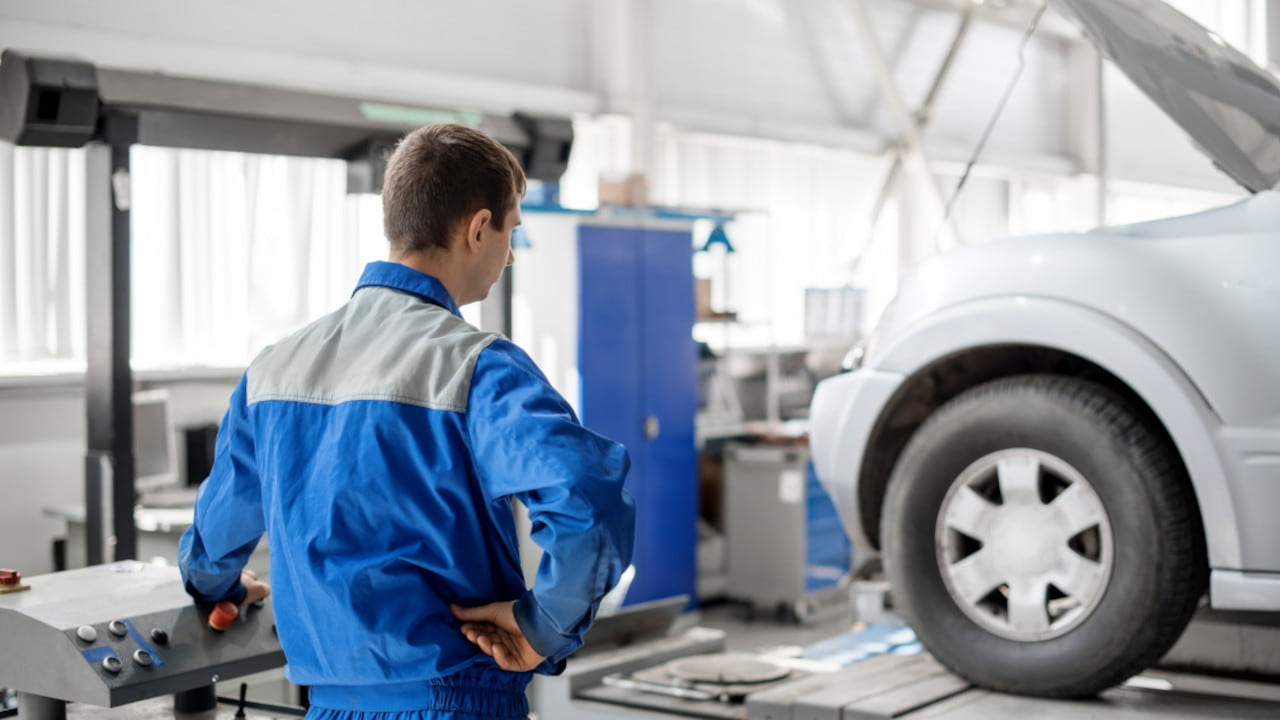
x=1024, y=544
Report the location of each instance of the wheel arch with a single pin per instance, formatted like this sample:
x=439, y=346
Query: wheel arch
x=946, y=353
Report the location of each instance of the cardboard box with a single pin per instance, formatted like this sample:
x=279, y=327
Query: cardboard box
x=702, y=297
x=631, y=190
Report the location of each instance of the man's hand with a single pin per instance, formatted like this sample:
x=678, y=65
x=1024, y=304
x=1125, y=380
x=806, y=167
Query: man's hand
x=494, y=630
x=257, y=590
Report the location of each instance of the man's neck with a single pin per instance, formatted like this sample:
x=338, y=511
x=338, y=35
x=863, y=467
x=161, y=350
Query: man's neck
x=440, y=266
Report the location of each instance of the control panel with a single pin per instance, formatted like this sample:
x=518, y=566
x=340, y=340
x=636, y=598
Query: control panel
x=113, y=634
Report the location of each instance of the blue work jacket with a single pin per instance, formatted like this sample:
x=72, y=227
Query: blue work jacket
x=380, y=449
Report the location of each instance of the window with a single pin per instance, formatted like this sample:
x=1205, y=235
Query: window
x=230, y=252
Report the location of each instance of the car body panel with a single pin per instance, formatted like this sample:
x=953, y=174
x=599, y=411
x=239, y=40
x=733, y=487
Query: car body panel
x=1042, y=322
x=843, y=414
x=1186, y=311
x=1209, y=300
x=1229, y=106
x=1235, y=590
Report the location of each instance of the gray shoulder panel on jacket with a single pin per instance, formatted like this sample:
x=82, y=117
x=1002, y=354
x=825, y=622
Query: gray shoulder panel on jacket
x=382, y=345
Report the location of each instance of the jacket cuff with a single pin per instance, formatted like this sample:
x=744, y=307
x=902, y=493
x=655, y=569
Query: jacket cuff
x=541, y=633
x=236, y=594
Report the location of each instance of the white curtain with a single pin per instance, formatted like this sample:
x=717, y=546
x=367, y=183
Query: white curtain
x=41, y=257
x=230, y=252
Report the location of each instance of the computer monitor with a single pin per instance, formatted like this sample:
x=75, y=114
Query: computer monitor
x=153, y=443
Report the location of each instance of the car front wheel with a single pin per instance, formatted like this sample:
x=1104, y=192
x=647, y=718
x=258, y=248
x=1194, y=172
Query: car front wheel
x=1042, y=538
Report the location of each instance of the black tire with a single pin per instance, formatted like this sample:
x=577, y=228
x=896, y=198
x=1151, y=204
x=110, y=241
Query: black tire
x=1158, y=561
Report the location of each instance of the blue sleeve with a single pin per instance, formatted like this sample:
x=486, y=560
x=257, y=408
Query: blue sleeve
x=228, y=517
x=527, y=444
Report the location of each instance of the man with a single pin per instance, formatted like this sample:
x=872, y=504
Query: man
x=380, y=448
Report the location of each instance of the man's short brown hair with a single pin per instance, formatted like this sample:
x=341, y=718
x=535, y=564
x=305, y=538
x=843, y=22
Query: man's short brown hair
x=440, y=175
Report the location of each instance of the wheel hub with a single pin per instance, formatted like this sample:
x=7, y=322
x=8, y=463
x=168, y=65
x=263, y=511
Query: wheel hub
x=1024, y=544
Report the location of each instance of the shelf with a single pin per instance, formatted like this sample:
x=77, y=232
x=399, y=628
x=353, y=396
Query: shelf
x=716, y=319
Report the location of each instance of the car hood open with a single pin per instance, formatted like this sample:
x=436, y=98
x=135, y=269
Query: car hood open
x=1229, y=105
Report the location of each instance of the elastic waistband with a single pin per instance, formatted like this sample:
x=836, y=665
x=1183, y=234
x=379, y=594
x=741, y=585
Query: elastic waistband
x=478, y=691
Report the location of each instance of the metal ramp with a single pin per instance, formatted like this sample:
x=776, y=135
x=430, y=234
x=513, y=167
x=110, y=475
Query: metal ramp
x=918, y=687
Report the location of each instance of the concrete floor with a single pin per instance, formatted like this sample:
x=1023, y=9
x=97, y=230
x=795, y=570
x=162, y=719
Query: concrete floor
x=765, y=634
x=1144, y=697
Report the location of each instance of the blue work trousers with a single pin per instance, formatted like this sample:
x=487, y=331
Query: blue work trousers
x=482, y=692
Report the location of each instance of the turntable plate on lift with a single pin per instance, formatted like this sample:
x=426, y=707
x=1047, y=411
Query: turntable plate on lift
x=722, y=677
x=725, y=669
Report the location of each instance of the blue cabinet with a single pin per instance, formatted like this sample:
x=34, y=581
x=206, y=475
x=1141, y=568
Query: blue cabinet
x=637, y=364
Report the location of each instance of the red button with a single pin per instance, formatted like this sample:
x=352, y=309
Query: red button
x=224, y=613
x=9, y=577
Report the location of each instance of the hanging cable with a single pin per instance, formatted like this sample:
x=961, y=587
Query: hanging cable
x=982, y=141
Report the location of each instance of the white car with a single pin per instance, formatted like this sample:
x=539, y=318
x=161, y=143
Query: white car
x=1059, y=443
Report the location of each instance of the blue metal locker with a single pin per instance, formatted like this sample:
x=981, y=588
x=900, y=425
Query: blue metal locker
x=638, y=364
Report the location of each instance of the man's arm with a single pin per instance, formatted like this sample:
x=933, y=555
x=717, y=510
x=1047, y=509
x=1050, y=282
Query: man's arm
x=526, y=443
x=228, y=517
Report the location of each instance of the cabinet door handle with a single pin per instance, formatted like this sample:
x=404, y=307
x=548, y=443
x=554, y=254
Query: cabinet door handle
x=652, y=427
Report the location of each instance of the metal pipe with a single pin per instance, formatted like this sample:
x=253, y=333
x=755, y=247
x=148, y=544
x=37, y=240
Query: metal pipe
x=1102, y=141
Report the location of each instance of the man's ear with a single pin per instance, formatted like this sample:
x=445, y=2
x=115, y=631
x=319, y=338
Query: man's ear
x=478, y=220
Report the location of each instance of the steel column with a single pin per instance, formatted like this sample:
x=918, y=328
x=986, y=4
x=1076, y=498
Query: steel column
x=109, y=461
x=925, y=114
x=914, y=151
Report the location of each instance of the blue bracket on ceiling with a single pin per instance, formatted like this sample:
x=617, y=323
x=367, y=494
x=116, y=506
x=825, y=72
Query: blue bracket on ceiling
x=718, y=237
x=536, y=202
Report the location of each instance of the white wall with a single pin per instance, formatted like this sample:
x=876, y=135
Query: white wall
x=42, y=445
x=42, y=441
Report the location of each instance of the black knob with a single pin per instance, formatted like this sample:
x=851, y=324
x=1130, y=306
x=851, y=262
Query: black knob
x=118, y=628
x=111, y=664
x=159, y=636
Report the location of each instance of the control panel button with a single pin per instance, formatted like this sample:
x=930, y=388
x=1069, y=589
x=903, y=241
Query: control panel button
x=224, y=613
x=118, y=628
x=160, y=637
x=87, y=633
x=111, y=664
x=10, y=577
x=142, y=658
